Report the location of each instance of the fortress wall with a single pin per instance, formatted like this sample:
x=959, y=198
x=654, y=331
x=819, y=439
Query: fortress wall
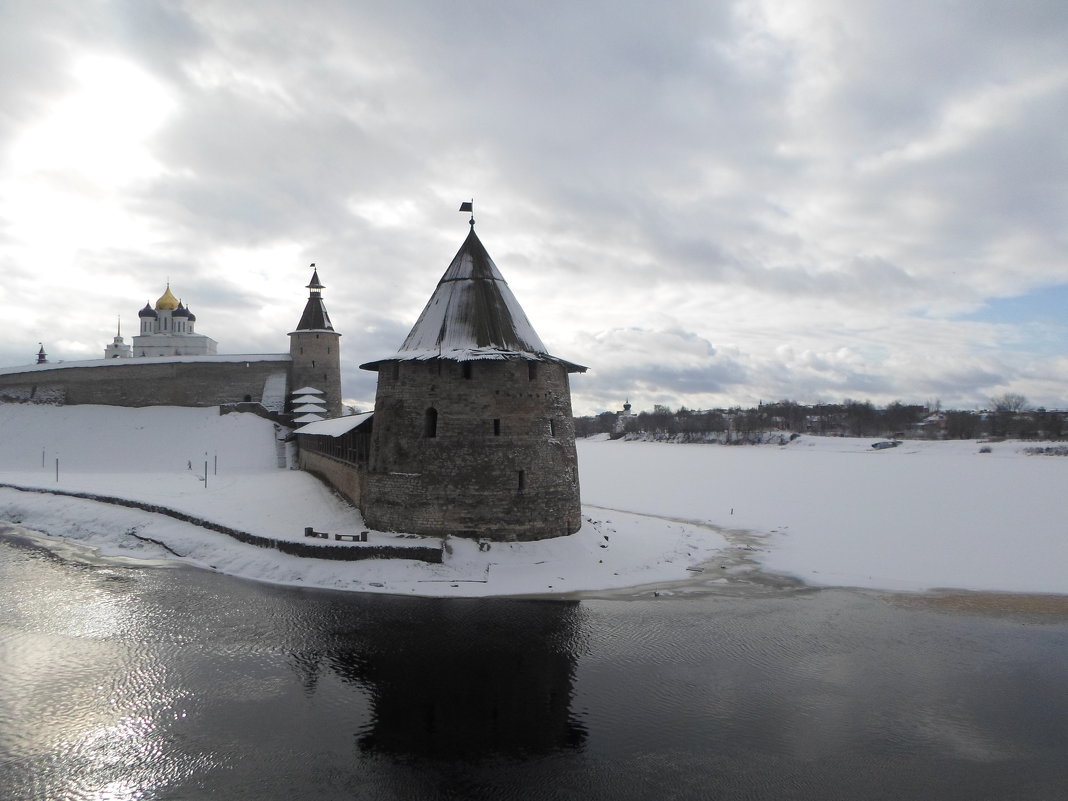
x=343, y=477
x=147, y=382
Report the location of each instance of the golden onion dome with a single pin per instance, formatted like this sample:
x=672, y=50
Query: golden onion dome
x=167, y=300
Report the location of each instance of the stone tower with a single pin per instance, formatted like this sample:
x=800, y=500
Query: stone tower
x=315, y=349
x=472, y=432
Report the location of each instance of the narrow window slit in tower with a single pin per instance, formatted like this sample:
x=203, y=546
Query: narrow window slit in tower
x=522, y=481
x=497, y=427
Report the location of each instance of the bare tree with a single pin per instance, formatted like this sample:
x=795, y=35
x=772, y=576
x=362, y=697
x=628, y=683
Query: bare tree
x=1007, y=409
x=1009, y=402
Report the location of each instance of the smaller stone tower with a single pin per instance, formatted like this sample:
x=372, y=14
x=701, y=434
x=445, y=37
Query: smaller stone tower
x=316, y=352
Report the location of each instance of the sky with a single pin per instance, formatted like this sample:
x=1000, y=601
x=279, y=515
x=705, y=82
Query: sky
x=708, y=203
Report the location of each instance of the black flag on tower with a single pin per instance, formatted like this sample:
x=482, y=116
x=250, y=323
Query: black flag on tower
x=469, y=205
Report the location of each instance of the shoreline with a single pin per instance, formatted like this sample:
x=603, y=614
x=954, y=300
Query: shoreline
x=753, y=582
x=634, y=550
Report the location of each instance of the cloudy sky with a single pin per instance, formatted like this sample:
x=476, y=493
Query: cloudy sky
x=709, y=203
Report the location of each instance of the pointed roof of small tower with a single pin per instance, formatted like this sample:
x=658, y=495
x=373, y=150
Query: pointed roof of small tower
x=315, y=317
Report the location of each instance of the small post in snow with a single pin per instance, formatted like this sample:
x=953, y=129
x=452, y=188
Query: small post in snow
x=215, y=472
x=57, y=469
x=205, y=474
x=42, y=458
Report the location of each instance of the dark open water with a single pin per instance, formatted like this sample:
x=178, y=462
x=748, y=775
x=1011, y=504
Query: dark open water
x=145, y=682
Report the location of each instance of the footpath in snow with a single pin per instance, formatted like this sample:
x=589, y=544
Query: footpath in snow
x=829, y=511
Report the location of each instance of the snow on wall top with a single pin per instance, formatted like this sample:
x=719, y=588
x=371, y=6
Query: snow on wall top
x=230, y=357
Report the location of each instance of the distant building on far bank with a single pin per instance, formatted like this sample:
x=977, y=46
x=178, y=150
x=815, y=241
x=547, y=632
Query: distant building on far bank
x=622, y=418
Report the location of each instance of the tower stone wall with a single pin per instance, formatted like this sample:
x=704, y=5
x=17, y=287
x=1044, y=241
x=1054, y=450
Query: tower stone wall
x=316, y=363
x=480, y=448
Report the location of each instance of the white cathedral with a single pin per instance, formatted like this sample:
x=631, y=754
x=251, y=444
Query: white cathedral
x=166, y=330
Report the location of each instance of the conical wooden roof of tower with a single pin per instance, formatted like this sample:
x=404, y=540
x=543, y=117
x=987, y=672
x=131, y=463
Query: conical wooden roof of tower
x=315, y=317
x=473, y=315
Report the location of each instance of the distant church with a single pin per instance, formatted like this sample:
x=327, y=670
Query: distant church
x=167, y=329
x=472, y=432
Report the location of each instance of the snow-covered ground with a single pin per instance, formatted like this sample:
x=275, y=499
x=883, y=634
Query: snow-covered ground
x=157, y=455
x=834, y=511
x=827, y=510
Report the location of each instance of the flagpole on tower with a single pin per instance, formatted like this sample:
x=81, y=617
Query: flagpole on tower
x=469, y=205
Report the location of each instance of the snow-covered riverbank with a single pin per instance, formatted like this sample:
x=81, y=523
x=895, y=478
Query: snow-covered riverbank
x=830, y=511
x=836, y=512
x=156, y=455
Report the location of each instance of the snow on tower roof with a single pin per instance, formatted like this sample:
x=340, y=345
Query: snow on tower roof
x=473, y=315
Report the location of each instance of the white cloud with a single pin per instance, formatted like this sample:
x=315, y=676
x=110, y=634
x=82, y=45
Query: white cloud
x=721, y=204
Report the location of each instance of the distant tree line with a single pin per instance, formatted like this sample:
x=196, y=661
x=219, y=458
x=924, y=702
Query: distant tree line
x=1008, y=416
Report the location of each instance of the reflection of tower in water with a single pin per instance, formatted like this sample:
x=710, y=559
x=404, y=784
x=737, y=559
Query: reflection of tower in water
x=472, y=679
